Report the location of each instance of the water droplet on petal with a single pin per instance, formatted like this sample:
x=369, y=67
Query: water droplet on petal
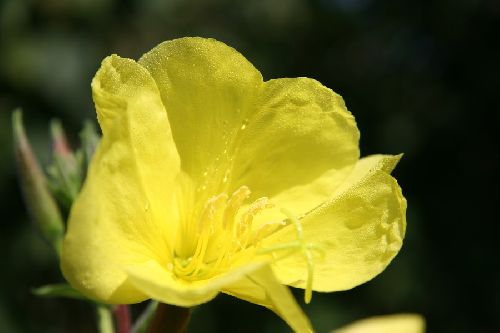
x=226, y=176
x=244, y=125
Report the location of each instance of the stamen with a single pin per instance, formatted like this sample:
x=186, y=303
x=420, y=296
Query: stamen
x=267, y=229
x=212, y=208
x=234, y=203
x=246, y=220
x=217, y=238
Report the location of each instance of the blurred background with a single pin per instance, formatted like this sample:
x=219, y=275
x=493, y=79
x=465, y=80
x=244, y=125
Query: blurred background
x=421, y=77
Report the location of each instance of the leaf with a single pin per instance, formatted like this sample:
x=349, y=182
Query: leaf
x=142, y=323
x=58, y=290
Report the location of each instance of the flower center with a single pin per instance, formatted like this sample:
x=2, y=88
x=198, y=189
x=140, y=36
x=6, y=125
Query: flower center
x=220, y=236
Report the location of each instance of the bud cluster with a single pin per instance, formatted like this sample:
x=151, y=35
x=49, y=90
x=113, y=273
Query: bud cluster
x=49, y=195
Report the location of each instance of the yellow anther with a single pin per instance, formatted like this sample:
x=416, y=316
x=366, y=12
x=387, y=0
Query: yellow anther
x=211, y=214
x=246, y=219
x=234, y=203
x=266, y=229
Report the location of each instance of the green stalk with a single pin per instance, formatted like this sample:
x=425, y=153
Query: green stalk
x=104, y=319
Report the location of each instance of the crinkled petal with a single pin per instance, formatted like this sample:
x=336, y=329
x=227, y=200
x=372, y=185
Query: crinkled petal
x=298, y=146
x=359, y=229
x=400, y=323
x=302, y=198
x=261, y=287
x=120, y=216
x=159, y=283
x=208, y=89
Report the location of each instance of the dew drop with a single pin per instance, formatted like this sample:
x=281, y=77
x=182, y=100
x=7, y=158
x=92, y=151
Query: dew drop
x=226, y=176
x=201, y=188
x=244, y=125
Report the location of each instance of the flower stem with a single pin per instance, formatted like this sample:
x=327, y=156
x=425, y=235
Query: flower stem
x=104, y=319
x=169, y=318
x=122, y=318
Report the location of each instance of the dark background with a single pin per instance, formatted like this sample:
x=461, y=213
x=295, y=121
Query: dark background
x=421, y=77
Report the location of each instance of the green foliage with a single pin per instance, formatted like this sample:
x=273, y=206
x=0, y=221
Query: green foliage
x=39, y=200
x=58, y=290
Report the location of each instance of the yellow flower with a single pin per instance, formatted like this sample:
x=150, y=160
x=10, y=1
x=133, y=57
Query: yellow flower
x=208, y=179
x=400, y=323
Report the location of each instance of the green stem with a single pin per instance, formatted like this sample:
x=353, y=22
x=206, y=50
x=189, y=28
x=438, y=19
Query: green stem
x=104, y=319
x=169, y=318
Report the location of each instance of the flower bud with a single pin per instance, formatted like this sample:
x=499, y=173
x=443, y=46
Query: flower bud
x=41, y=205
x=65, y=171
x=89, y=139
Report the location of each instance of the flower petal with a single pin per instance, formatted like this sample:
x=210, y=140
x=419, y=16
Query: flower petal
x=261, y=287
x=360, y=229
x=119, y=217
x=208, y=89
x=407, y=323
x=158, y=283
x=301, y=130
